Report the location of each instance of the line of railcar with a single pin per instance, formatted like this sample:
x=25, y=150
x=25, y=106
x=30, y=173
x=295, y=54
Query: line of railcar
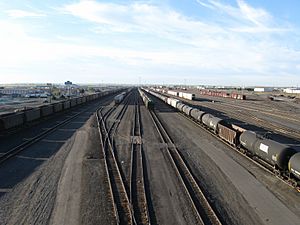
x=284, y=160
x=223, y=94
x=16, y=119
x=180, y=94
x=147, y=101
x=119, y=98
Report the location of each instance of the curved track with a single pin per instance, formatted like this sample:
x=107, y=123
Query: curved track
x=130, y=203
x=121, y=205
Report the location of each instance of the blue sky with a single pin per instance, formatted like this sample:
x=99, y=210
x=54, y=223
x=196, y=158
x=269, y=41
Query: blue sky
x=221, y=42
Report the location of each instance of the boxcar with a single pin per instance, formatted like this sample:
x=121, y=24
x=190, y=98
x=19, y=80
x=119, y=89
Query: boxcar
x=57, y=107
x=189, y=96
x=79, y=100
x=228, y=134
x=73, y=102
x=175, y=93
x=46, y=110
x=67, y=104
x=12, y=120
x=32, y=114
x=173, y=102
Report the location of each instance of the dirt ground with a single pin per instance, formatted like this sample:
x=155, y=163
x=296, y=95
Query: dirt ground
x=70, y=187
x=227, y=184
x=67, y=189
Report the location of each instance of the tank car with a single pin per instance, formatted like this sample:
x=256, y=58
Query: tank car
x=197, y=114
x=211, y=121
x=187, y=110
x=248, y=139
x=273, y=152
x=180, y=106
x=119, y=98
x=270, y=151
x=294, y=165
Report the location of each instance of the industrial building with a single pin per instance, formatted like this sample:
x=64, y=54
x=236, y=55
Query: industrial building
x=263, y=89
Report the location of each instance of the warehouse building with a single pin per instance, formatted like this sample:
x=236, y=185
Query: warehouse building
x=263, y=89
x=292, y=90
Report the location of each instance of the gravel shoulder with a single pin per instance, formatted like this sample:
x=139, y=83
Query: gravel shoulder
x=67, y=188
x=230, y=186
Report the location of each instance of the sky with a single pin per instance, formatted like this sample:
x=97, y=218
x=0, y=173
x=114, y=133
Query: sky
x=216, y=42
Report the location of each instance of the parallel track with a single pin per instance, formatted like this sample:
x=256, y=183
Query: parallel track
x=137, y=184
x=261, y=164
x=260, y=122
x=111, y=134
x=107, y=174
x=122, y=207
x=23, y=146
x=251, y=119
x=204, y=214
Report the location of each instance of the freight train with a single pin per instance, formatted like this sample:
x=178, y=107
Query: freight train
x=119, y=98
x=147, y=101
x=16, y=119
x=223, y=94
x=284, y=160
x=180, y=94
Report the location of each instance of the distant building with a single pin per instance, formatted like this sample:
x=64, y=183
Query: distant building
x=292, y=90
x=15, y=91
x=263, y=89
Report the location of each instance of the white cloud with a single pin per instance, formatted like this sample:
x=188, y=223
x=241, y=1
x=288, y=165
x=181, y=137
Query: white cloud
x=245, y=18
x=16, y=13
x=158, y=40
x=256, y=16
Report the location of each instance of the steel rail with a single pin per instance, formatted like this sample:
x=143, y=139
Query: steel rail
x=278, y=128
x=23, y=146
x=121, y=199
x=200, y=205
x=263, y=165
x=137, y=185
x=258, y=162
x=107, y=177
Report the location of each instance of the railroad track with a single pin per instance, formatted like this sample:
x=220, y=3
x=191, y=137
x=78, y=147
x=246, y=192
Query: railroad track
x=122, y=210
x=278, y=128
x=23, y=146
x=204, y=213
x=137, y=185
x=263, y=165
x=263, y=110
x=112, y=131
x=258, y=162
x=250, y=119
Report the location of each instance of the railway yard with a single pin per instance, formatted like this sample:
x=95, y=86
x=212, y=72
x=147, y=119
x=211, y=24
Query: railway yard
x=131, y=156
